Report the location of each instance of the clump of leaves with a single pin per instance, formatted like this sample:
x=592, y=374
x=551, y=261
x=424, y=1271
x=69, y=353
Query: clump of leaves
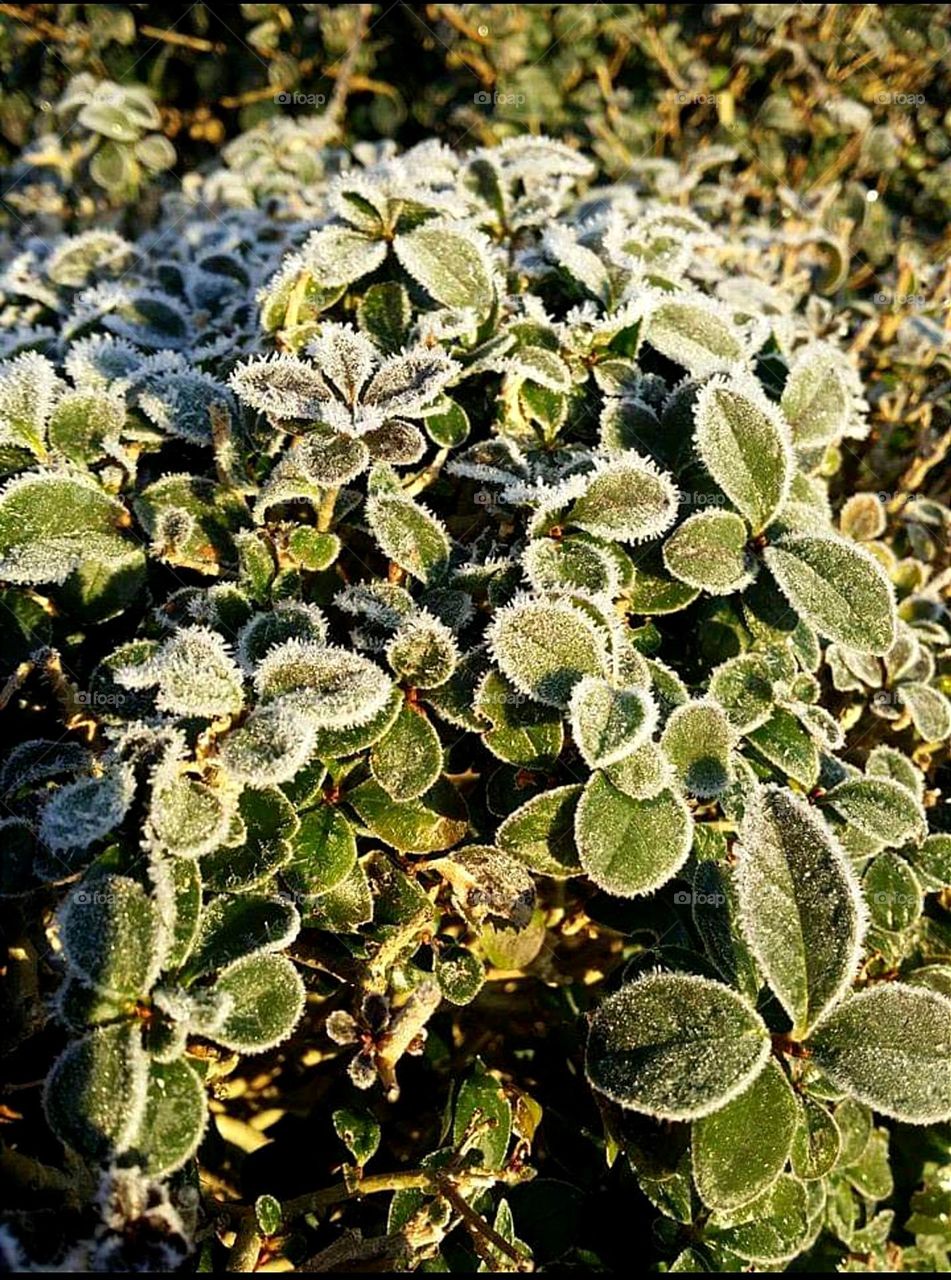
x=488, y=593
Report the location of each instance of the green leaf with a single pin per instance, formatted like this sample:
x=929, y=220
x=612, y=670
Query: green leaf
x=626, y=500
x=174, y=1119
x=801, y=906
x=482, y=1118
x=452, y=266
x=270, y=824
x=675, y=1046
x=325, y=852
x=407, y=760
x=630, y=847
x=708, y=551
x=743, y=687
x=816, y=1143
x=523, y=732
x=819, y=396
x=334, y=688
x=892, y=892
x=434, y=821
x=267, y=1000
x=545, y=647
x=187, y=817
x=784, y=742
x=345, y=907
x=95, y=1094
x=192, y=522
x=745, y=445
x=110, y=929
x=268, y=1215
x=238, y=925
x=890, y=1047
x=770, y=1229
x=698, y=741
x=423, y=652
x=51, y=523
x=929, y=709
x=609, y=723
x=541, y=833
x=838, y=587
x=186, y=892
x=407, y=534
x=741, y=1149
x=460, y=974
x=878, y=807
x=272, y=746
x=358, y=1131
x=932, y=862
x=384, y=314
x=696, y=335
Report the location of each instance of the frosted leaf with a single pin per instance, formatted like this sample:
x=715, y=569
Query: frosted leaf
x=626, y=499
x=110, y=930
x=929, y=709
x=272, y=745
x=77, y=260
x=541, y=832
x=407, y=534
x=406, y=383
x=675, y=1046
x=743, y=687
x=182, y=404
x=333, y=687
x=643, y=773
x=838, y=587
x=801, y=907
x=407, y=759
x=745, y=445
x=889, y=1046
x=569, y=565
x=490, y=887
x=288, y=620
x=767, y=1231
x=878, y=807
x=698, y=740
x=340, y=255
x=186, y=816
x=195, y=674
x=628, y=846
x=887, y=762
x=86, y=424
x=423, y=652
x=822, y=398
x=29, y=389
x=863, y=517
x=384, y=315
x=697, y=334
x=87, y=810
x=236, y=925
x=174, y=1118
x=545, y=648
x=893, y=892
x=740, y=1150
x=40, y=758
x=94, y=1097
x=331, y=459
x=580, y=263
x=52, y=522
x=267, y=997
x=452, y=263
x=281, y=386
x=709, y=551
x=609, y=723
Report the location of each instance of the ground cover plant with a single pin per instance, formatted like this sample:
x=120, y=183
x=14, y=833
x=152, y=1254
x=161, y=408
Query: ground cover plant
x=475, y=668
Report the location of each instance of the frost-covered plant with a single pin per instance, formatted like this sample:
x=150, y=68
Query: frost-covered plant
x=495, y=583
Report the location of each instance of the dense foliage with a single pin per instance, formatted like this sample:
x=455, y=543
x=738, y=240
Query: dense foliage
x=475, y=663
